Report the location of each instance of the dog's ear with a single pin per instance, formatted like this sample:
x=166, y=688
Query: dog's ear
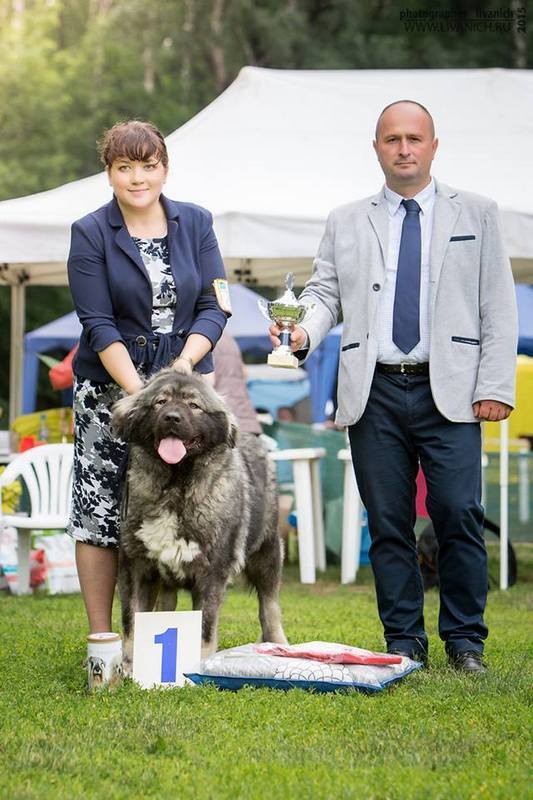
x=233, y=431
x=123, y=414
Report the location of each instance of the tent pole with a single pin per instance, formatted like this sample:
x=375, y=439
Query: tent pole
x=504, y=503
x=18, y=314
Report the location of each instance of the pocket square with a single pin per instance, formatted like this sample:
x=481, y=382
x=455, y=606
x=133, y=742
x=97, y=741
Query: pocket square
x=462, y=238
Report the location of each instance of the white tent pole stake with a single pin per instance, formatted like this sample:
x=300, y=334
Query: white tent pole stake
x=523, y=486
x=504, y=503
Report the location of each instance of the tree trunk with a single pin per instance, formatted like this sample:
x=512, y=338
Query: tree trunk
x=149, y=70
x=19, y=7
x=217, y=48
x=17, y=19
x=98, y=12
x=186, y=63
x=519, y=35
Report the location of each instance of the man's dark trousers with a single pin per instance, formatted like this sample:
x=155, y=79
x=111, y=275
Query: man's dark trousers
x=400, y=426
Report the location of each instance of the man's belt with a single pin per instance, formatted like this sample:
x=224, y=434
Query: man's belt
x=405, y=368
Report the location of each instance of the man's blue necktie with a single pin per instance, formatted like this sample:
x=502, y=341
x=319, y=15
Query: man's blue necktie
x=406, y=315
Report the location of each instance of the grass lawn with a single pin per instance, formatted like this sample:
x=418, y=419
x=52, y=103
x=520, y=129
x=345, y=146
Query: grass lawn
x=435, y=735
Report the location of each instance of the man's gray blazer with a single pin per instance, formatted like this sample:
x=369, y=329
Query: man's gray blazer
x=472, y=315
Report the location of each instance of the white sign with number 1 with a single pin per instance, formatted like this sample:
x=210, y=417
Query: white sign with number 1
x=166, y=644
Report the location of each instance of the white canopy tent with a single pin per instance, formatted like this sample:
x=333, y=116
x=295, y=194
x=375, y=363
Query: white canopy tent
x=277, y=150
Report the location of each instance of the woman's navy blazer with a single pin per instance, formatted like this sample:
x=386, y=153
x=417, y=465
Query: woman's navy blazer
x=112, y=291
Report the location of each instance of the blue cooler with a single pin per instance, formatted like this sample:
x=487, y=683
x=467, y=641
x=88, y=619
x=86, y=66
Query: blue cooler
x=365, y=540
x=364, y=560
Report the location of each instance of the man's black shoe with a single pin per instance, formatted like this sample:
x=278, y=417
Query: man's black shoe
x=414, y=655
x=468, y=661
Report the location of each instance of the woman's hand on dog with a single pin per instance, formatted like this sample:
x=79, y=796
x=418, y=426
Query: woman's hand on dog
x=135, y=386
x=298, y=337
x=183, y=365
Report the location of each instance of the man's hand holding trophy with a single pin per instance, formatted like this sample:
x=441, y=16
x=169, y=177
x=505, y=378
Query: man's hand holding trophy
x=287, y=337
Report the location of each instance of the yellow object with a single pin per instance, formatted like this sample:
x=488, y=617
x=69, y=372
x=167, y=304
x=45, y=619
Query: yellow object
x=10, y=496
x=58, y=423
x=521, y=420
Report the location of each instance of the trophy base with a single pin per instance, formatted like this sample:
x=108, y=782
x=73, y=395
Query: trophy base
x=287, y=360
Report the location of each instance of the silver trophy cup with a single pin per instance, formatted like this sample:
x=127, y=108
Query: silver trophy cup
x=286, y=312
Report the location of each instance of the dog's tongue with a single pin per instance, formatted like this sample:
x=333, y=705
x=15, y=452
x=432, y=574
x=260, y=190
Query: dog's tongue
x=171, y=450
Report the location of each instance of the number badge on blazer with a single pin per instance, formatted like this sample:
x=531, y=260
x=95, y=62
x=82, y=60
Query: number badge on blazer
x=220, y=285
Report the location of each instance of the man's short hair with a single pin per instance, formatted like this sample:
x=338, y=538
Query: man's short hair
x=414, y=103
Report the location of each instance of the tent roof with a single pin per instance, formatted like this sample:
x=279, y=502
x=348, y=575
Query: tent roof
x=64, y=331
x=278, y=149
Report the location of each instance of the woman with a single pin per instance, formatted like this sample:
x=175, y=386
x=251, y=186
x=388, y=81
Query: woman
x=141, y=271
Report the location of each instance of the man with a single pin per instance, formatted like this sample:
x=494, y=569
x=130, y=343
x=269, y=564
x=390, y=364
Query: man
x=428, y=350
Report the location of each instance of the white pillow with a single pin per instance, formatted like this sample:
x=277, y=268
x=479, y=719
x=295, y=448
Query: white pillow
x=244, y=666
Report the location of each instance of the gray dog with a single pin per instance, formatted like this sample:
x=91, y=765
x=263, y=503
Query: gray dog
x=198, y=509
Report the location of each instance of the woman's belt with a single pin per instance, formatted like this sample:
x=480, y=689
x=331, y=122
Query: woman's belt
x=156, y=351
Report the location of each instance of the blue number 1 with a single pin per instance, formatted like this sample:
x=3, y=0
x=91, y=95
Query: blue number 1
x=169, y=656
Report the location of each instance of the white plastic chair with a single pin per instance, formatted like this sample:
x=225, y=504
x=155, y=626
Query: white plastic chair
x=351, y=521
x=47, y=473
x=308, y=495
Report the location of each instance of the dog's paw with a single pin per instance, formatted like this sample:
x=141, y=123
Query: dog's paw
x=127, y=667
x=208, y=650
x=275, y=637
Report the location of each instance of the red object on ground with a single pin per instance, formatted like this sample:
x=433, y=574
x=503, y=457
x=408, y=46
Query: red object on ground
x=329, y=653
x=421, y=492
x=38, y=568
x=61, y=375
x=27, y=442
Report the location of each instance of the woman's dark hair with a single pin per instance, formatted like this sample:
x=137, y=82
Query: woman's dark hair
x=135, y=140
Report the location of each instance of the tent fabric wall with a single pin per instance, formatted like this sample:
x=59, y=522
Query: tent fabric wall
x=322, y=366
x=247, y=324
x=61, y=334
x=524, y=299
